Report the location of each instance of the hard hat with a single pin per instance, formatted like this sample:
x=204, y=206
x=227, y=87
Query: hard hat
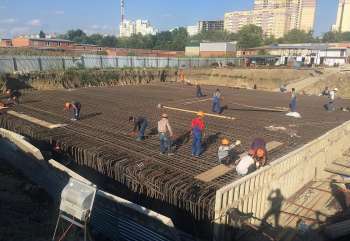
x=251, y=152
x=335, y=89
x=260, y=153
x=165, y=115
x=66, y=105
x=225, y=141
x=200, y=113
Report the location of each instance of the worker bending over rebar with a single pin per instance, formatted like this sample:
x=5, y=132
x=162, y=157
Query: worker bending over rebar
x=140, y=125
x=225, y=151
x=76, y=107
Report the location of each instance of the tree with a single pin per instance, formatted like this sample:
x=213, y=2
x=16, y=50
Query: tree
x=42, y=34
x=77, y=36
x=332, y=37
x=298, y=36
x=214, y=36
x=250, y=36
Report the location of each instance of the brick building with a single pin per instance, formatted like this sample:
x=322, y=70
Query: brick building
x=42, y=43
x=5, y=43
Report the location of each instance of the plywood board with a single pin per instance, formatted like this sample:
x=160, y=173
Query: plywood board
x=35, y=120
x=222, y=169
x=343, y=163
x=338, y=170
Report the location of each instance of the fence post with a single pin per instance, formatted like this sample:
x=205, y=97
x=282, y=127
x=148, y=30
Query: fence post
x=15, y=67
x=144, y=62
x=101, y=62
x=178, y=62
x=40, y=64
x=82, y=62
x=64, y=64
x=116, y=62
x=168, y=63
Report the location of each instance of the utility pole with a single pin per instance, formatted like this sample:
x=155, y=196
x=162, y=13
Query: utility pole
x=122, y=10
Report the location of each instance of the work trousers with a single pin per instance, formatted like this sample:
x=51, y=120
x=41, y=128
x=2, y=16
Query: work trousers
x=76, y=112
x=197, y=143
x=293, y=105
x=142, y=130
x=165, y=143
x=216, y=106
x=199, y=93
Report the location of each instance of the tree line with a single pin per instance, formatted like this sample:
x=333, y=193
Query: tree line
x=248, y=37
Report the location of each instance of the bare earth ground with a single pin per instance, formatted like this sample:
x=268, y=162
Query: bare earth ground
x=26, y=211
x=310, y=82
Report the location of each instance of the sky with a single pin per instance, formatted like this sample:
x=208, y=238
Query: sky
x=103, y=16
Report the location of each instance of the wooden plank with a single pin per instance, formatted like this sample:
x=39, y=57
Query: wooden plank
x=35, y=120
x=343, y=163
x=222, y=169
x=336, y=169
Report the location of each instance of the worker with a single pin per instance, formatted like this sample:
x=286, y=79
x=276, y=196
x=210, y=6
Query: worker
x=216, y=101
x=13, y=96
x=197, y=129
x=225, y=154
x=76, y=107
x=283, y=88
x=165, y=140
x=293, y=101
x=331, y=97
x=258, y=151
x=182, y=76
x=325, y=92
x=140, y=125
x=199, y=92
x=255, y=158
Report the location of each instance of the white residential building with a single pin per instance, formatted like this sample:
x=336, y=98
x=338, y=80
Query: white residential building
x=128, y=28
x=192, y=30
x=343, y=17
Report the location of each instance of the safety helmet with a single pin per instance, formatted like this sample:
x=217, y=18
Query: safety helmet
x=260, y=153
x=225, y=141
x=335, y=89
x=67, y=105
x=200, y=114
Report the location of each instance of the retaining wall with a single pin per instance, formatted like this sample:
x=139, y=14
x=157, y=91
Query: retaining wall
x=289, y=174
x=112, y=216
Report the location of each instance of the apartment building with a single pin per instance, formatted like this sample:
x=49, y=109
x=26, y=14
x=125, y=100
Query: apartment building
x=343, y=17
x=275, y=17
x=211, y=25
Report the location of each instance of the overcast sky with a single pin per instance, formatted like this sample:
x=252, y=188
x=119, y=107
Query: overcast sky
x=102, y=16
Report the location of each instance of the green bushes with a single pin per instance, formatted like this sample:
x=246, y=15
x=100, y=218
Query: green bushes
x=77, y=78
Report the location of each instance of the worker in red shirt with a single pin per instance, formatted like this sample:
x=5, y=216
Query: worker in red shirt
x=197, y=128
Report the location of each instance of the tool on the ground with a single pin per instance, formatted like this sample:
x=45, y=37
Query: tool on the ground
x=160, y=106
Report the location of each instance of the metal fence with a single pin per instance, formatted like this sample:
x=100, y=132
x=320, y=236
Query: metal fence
x=9, y=64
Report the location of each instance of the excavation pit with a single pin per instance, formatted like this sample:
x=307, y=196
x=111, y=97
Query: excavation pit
x=100, y=140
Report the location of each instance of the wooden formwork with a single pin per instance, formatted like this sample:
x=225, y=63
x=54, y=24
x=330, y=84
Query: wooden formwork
x=288, y=174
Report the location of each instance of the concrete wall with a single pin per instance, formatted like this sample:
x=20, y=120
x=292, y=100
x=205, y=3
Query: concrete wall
x=192, y=51
x=114, y=217
x=288, y=174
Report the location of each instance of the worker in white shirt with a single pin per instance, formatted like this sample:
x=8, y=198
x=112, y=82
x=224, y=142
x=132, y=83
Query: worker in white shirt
x=331, y=97
x=165, y=135
x=225, y=154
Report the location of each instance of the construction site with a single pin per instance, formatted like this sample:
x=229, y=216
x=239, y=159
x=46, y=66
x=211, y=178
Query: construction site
x=202, y=197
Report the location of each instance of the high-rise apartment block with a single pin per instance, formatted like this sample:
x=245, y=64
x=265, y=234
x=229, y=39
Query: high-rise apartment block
x=128, y=28
x=275, y=17
x=343, y=17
